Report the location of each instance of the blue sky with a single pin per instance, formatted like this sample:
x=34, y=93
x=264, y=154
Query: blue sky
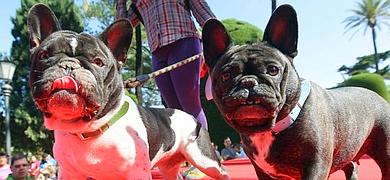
x=323, y=46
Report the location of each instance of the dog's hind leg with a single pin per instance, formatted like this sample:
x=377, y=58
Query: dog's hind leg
x=201, y=154
x=380, y=151
x=169, y=168
x=351, y=171
x=382, y=158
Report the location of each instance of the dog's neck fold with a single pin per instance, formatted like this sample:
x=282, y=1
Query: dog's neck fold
x=102, y=128
x=286, y=122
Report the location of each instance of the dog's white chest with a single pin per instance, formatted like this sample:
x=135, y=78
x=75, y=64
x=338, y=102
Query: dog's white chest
x=118, y=152
x=262, y=143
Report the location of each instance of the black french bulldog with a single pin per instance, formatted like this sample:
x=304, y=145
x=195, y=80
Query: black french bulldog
x=292, y=128
x=100, y=132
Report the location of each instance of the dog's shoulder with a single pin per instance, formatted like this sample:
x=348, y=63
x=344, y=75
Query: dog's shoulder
x=157, y=122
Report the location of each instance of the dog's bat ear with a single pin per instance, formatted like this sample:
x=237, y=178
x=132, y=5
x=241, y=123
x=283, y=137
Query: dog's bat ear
x=41, y=22
x=282, y=30
x=216, y=40
x=117, y=38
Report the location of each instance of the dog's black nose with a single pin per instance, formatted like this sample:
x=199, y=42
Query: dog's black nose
x=248, y=82
x=69, y=66
x=68, y=69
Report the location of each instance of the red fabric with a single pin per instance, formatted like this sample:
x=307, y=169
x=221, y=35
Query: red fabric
x=203, y=69
x=34, y=168
x=242, y=169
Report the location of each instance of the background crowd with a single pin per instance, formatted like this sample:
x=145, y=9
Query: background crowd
x=41, y=166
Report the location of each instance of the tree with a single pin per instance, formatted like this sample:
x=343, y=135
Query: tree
x=100, y=13
x=28, y=132
x=242, y=32
x=369, y=14
x=366, y=64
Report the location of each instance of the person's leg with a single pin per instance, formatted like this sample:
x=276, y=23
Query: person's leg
x=185, y=79
x=163, y=81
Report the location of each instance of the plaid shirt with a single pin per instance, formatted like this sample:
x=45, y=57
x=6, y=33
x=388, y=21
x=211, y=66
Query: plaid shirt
x=167, y=21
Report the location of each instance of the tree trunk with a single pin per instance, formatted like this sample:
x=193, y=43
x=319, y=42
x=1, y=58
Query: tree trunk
x=138, y=61
x=376, y=59
x=273, y=5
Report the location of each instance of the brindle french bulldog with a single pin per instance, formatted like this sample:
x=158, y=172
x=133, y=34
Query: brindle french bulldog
x=292, y=128
x=100, y=132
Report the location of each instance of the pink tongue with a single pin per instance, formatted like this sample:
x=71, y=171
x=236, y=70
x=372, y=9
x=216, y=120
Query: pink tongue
x=65, y=83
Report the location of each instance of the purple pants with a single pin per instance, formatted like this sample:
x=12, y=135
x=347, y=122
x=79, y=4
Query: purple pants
x=180, y=87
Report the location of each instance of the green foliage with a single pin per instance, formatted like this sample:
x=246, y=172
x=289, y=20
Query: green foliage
x=370, y=81
x=368, y=13
x=27, y=127
x=242, y=32
x=102, y=11
x=367, y=64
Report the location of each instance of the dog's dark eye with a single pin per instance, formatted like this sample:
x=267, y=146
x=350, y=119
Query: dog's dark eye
x=225, y=77
x=99, y=62
x=272, y=70
x=43, y=55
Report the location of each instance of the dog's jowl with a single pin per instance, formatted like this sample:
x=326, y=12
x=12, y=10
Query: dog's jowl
x=100, y=132
x=292, y=128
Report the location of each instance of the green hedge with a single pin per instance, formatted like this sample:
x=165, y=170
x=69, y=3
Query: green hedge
x=242, y=32
x=371, y=81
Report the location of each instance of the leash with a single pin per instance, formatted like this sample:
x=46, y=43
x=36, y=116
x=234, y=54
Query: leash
x=140, y=79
